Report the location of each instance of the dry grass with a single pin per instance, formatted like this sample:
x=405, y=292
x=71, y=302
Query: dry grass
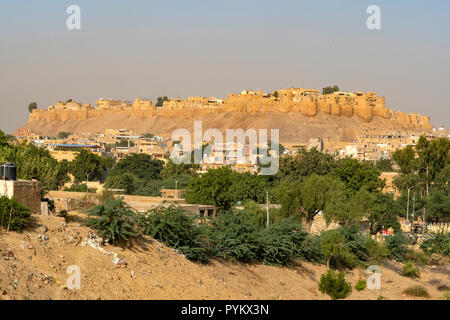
x=417, y=291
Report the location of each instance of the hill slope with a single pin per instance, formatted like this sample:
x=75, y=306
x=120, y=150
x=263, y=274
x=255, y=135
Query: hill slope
x=293, y=126
x=153, y=271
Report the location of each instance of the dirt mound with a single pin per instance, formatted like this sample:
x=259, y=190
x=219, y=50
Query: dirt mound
x=33, y=265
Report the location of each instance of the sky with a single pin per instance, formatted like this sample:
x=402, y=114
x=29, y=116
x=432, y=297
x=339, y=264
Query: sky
x=136, y=48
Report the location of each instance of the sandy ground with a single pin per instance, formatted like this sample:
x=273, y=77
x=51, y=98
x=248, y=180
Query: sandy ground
x=154, y=271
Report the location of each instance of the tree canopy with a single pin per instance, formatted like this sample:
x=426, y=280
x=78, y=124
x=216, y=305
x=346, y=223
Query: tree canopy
x=35, y=163
x=223, y=187
x=330, y=90
x=32, y=106
x=88, y=166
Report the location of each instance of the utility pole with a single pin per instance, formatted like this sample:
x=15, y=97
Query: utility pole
x=87, y=180
x=407, y=207
x=267, y=207
x=414, y=204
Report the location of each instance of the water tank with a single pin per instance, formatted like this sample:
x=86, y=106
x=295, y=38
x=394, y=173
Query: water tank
x=8, y=171
x=3, y=170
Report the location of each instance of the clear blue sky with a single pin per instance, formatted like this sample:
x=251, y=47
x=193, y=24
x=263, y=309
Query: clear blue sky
x=136, y=48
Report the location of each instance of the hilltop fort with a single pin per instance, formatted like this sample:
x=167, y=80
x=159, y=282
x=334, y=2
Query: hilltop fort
x=340, y=114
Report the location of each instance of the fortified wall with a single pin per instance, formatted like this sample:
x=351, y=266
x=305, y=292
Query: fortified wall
x=308, y=102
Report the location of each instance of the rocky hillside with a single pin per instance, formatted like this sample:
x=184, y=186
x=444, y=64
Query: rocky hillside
x=33, y=265
x=293, y=126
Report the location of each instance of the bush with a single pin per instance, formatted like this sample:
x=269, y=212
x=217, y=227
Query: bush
x=82, y=187
x=311, y=251
x=417, y=257
x=177, y=230
x=397, y=246
x=361, y=285
x=276, y=249
x=291, y=241
x=438, y=243
x=417, y=291
x=14, y=215
x=235, y=237
x=376, y=251
x=336, y=250
x=333, y=284
x=410, y=270
x=114, y=221
x=446, y=295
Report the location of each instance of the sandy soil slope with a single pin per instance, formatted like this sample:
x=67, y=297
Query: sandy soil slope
x=293, y=126
x=154, y=271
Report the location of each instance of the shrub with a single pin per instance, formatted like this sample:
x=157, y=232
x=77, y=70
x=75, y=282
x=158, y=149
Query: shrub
x=397, y=246
x=311, y=251
x=354, y=242
x=276, y=249
x=114, y=221
x=410, y=270
x=333, y=284
x=177, y=230
x=334, y=247
x=446, y=295
x=417, y=257
x=438, y=243
x=14, y=215
x=82, y=187
x=361, y=285
x=235, y=237
x=283, y=241
x=376, y=251
x=416, y=291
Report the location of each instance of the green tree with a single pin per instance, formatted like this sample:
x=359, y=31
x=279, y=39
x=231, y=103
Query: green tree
x=64, y=135
x=160, y=101
x=383, y=211
x=87, y=166
x=212, y=188
x=308, y=198
x=32, y=106
x=235, y=237
x=438, y=205
x=147, y=136
x=142, y=166
x=384, y=165
x=35, y=163
x=13, y=215
x=182, y=169
x=3, y=140
x=114, y=221
x=334, y=285
x=356, y=174
x=124, y=143
x=305, y=163
x=333, y=246
x=405, y=159
x=176, y=229
x=125, y=181
x=330, y=90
